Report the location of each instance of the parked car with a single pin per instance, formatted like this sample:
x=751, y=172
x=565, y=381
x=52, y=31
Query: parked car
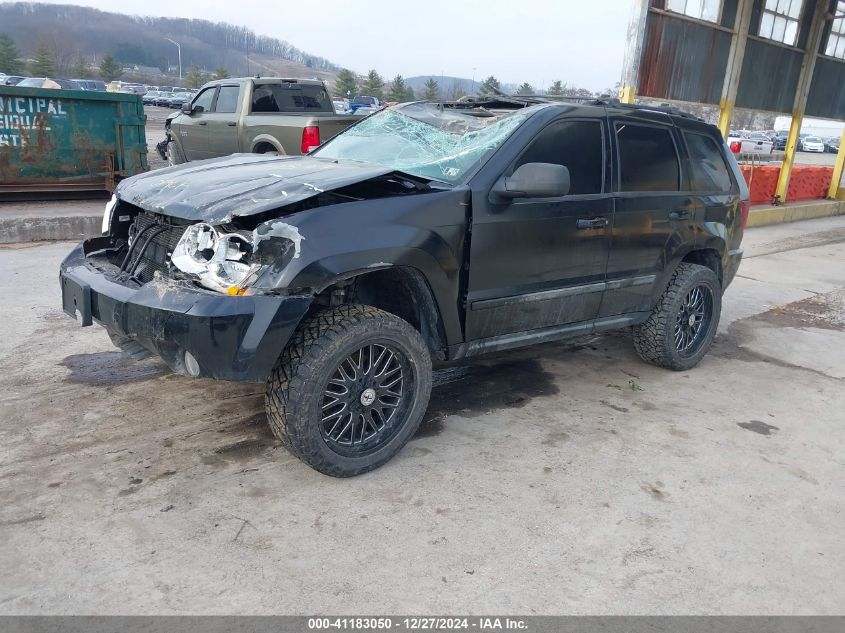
x=151, y=97
x=811, y=144
x=48, y=82
x=779, y=140
x=832, y=145
x=283, y=116
x=163, y=99
x=363, y=101
x=341, y=106
x=750, y=143
x=178, y=99
x=93, y=85
x=11, y=80
x=341, y=276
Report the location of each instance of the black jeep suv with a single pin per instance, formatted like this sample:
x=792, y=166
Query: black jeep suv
x=424, y=233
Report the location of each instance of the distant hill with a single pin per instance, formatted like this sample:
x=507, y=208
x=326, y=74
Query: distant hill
x=72, y=31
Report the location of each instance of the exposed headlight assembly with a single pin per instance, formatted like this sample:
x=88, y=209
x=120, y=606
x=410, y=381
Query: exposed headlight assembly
x=219, y=261
x=107, y=214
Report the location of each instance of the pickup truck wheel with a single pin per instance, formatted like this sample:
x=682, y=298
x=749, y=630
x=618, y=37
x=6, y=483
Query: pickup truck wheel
x=682, y=325
x=173, y=154
x=349, y=390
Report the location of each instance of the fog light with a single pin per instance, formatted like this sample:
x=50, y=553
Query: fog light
x=191, y=365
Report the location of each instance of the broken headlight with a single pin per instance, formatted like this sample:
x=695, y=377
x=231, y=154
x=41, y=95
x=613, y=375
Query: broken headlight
x=219, y=261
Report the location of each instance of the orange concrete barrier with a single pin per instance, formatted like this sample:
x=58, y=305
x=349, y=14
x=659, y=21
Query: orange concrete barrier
x=806, y=183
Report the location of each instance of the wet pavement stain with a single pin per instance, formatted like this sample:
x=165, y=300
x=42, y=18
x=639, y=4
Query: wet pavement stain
x=475, y=389
x=757, y=426
x=110, y=368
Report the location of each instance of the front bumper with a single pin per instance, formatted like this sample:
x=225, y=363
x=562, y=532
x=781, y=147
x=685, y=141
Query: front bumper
x=232, y=338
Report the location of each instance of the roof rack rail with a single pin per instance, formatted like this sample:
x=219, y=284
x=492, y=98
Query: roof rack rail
x=665, y=108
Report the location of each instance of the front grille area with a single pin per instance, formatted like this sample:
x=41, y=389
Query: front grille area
x=156, y=257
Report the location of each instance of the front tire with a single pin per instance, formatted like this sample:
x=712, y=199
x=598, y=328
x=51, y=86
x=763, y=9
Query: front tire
x=349, y=390
x=681, y=327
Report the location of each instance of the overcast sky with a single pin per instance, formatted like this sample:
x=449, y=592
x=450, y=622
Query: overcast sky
x=536, y=41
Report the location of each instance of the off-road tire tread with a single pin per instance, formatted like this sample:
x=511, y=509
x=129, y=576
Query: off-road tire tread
x=309, y=343
x=650, y=337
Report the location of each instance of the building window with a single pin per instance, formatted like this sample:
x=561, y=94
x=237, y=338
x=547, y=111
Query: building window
x=836, y=40
x=780, y=21
x=702, y=9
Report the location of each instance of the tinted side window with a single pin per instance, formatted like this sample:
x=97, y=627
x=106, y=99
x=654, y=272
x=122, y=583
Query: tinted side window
x=648, y=158
x=578, y=146
x=707, y=165
x=203, y=101
x=227, y=99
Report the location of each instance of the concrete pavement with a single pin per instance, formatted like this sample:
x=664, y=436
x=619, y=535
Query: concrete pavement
x=563, y=479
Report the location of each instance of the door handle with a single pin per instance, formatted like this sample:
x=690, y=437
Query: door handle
x=203, y=122
x=592, y=223
x=230, y=123
x=679, y=214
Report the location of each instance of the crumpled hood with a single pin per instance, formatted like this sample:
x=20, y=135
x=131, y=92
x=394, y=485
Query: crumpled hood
x=220, y=189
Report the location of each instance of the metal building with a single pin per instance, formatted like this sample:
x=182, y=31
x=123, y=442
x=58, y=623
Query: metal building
x=782, y=56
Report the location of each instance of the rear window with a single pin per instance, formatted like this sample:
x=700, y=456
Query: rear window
x=648, y=158
x=708, y=169
x=290, y=98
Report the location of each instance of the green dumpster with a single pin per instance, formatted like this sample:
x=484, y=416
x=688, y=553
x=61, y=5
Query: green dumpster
x=66, y=140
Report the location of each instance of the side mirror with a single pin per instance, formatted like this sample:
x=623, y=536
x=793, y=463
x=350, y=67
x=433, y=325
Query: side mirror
x=187, y=108
x=534, y=180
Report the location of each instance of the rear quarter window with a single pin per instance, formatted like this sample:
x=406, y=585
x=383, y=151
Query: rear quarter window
x=708, y=170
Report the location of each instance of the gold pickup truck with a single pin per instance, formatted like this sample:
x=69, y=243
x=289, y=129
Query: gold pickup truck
x=253, y=115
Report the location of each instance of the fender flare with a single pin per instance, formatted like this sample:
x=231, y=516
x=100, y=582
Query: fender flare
x=270, y=140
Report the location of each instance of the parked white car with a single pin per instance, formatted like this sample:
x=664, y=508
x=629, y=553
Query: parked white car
x=750, y=143
x=812, y=144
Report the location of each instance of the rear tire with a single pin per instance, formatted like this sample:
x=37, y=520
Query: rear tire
x=349, y=390
x=683, y=323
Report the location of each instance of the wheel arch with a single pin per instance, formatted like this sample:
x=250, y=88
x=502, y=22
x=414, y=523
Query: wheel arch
x=401, y=290
x=264, y=142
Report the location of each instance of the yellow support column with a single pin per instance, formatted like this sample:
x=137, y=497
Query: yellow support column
x=833, y=192
x=726, y=112
x=627, y=94
x=789, y=156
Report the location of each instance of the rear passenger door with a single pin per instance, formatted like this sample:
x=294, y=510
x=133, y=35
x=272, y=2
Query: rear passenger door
x=653, y=215
x=223, y=122
x=192, y=129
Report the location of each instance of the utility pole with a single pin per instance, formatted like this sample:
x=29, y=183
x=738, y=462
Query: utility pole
x=179, y=50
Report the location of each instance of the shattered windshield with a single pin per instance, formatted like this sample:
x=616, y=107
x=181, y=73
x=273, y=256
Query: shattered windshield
x=424, y=140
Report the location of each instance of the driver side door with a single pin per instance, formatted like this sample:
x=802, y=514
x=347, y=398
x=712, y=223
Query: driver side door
x=541, y=262
x=193, y=128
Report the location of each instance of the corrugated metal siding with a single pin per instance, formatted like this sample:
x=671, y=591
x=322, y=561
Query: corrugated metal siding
x=827, y=92
x=683, y=60
x=769, y=77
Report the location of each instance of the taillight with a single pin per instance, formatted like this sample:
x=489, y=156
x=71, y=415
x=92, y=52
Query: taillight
x=744, y=210
x=736, y=147
x=310, y=138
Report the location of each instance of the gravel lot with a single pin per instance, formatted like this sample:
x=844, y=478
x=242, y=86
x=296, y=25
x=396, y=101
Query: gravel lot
x=568, y=478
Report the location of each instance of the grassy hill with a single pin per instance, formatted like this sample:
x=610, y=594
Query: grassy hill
x=71, y=32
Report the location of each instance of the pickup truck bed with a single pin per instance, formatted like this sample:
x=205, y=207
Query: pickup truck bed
x=251, y=115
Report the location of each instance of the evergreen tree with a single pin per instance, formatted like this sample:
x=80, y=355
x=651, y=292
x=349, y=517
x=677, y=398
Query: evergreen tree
x=410, y=95
x=398, y=89
x=373, y=85
x=346, y=84
x=43, y=65
x=525, y=89
x=489, y=86
x=10, y=57
x=432, y=90
x=110, y=69
x=195, y=77
x=221, y=73
x=80, y=68
x=556, y=88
